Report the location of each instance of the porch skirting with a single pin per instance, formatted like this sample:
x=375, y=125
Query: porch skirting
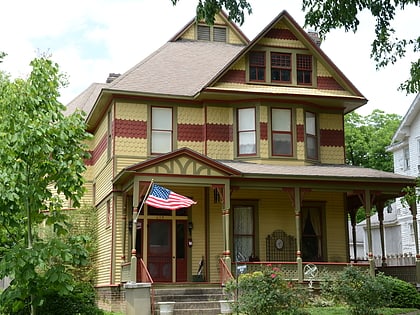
x=111, y=298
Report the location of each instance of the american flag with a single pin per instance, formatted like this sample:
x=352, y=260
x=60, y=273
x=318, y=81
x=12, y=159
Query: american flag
x=164, y=198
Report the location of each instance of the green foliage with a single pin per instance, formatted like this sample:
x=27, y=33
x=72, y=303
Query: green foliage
x=326, y=15
x=366, y=139
x=266, y=292
x=403, y=294
x=363, y=294
x=207, y=9
x=42, y=156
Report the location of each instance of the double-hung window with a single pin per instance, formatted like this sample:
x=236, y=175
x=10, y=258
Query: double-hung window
x=281, y=131
x=304, y=69
x=162, y=130
x=247, y=141
x=311, y=136
x=281, y=67
x=257, y=66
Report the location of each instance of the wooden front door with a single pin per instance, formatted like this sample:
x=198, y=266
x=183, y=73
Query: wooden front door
x=159, y=250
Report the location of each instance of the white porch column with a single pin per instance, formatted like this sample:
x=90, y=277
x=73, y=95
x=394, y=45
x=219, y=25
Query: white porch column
x=368, y=210
x=297, y=208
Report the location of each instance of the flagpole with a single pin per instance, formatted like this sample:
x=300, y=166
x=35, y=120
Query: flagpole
x=133, y=267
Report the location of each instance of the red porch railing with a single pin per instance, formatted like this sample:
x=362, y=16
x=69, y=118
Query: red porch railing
x=225, y=274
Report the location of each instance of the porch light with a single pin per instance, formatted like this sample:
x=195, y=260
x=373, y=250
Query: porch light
x=190, y=227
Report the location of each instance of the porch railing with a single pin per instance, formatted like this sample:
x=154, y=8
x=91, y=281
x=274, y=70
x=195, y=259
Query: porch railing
x=225, y=273
x=144, y=273
x=290, y=269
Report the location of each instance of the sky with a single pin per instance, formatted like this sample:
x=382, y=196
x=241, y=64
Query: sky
x=91, y=38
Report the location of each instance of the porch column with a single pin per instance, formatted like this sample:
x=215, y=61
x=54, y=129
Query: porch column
x=380, y=210
x=413, y=209
x=223, y=191
x=133, y=266
x=368, y=210
x=352, y=213
x=297, y=206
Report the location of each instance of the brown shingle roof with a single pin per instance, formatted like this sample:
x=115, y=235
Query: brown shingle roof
x=181, y=68
x=86, y=99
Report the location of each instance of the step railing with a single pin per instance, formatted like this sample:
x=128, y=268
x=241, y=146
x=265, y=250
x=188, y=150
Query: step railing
x=225, y=273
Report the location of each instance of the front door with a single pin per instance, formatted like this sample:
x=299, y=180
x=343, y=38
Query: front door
x=181, y=250
x=159, y=260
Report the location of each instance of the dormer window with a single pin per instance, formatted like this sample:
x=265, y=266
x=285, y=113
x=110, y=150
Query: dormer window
x=211, y=33
x=288, y=67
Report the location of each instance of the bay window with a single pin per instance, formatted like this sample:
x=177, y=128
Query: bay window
x=281, y=131
x=247, y=141
x=311, y=134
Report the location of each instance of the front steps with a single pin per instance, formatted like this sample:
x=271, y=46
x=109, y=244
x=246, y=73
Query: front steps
x=190, y=299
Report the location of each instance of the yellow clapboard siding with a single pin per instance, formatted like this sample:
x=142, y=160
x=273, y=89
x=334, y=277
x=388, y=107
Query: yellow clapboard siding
x=104, y=183
x=103, y=259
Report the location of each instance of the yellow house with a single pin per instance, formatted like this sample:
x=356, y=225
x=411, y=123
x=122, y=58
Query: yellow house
x=253, y=131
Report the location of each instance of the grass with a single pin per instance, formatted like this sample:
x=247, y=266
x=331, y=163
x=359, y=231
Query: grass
x=343, y=310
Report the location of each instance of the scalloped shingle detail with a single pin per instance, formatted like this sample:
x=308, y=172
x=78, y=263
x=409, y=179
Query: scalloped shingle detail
x=218, y=132
x=130, y=128
x=188, y=132
x=332, y=138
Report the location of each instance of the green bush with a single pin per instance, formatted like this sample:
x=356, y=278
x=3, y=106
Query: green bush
x=363, y=293
x=266, y=292
x=80, y=301
x=403, y=294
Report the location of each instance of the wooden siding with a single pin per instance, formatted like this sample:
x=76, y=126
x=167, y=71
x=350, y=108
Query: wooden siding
x=131, y=111
x=104, y=183
x=332, y=155
x=104, y=251
x=119, y=222
x=220, y=150
x=131, y=146
x=216, y=243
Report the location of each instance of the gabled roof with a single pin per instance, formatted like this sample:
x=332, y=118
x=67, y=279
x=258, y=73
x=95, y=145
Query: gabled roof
x=86, y=99
x=180, y=69
x=404, y=127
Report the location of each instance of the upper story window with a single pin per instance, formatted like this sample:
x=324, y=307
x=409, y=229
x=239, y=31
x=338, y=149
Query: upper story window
x=281, y=67
x=311, y=133
x=304, y=69
x=406, y=158
x=247, y=140
x=257, y=66
x=211, y=33
x=162, y=130
x=281, y=131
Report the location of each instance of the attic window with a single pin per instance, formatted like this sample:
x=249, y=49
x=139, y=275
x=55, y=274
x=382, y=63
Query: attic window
x=203, y=32
x=211, y=33
x=304, y=69
x=219, y=34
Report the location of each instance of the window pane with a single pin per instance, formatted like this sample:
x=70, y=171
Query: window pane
x=247, y=142
x=282, y=144
x=244, y=220
x=246, y=119
x=310, y=123
x=281, y=119
x=162, y=118
x=243, y=230
x=161, y=141
x=243, y=248
x=311, y=147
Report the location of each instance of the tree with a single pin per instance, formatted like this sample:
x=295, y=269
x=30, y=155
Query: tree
x=366, y=139
x=42, y=156
x=325, y=15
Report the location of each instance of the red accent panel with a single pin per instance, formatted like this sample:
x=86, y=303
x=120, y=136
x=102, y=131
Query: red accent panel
x=280, y=33
x=188, y=132
x=130, y=128
x=234, y=76
x=216, y=132
x=263, y=131
x=300, y=133
x=332, y=138
x=97, y=152
x=328, y=83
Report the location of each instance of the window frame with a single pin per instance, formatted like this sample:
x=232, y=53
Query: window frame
x=257, y=66
x=314, y=137
x=246, y=131
x=321, y=237
x=235, y=207
x=307, y=72
x=282, y=132
x=154, y=130
x=281, y=68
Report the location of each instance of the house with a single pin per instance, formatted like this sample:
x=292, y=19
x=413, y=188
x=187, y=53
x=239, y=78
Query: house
x=251, y=130
x=399, y=223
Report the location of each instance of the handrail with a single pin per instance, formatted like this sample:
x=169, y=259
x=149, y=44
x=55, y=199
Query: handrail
x=225, y=274
x=144, y=273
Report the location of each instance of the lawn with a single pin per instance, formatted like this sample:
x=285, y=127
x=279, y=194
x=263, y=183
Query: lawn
x=342, y=310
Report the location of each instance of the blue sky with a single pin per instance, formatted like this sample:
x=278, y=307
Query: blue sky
x=90, y=39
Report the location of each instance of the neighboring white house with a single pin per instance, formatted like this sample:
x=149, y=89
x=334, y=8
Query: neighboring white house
x=399, y=232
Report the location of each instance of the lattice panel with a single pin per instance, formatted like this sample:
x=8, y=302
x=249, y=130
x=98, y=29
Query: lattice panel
x=280, y=247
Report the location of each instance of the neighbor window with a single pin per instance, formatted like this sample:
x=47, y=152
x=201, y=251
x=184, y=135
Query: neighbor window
x=406, y=158
x=311, y=136
x=281, y=131
x=246, y=131
x=162, y=130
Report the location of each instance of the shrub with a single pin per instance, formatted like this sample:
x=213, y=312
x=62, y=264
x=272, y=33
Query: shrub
x=363, y=293
x=403, y=294
x=266, y=292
